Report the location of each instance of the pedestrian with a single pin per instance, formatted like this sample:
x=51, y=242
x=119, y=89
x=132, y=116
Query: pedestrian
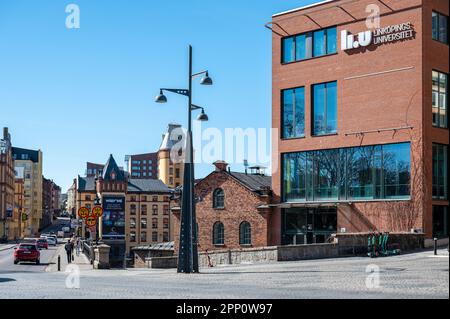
x=78, y=246
x=69, y=250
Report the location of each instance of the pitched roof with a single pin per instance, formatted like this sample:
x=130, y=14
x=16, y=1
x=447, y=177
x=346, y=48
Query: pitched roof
x=147, y=185
x=252, y=181
x=111, y=166
x=86, y=184
x=31, y=155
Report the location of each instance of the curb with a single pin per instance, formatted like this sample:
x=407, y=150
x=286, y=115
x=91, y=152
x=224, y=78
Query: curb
x=8, y=248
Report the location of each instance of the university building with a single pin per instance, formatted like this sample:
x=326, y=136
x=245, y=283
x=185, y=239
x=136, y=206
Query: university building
x=362, y=115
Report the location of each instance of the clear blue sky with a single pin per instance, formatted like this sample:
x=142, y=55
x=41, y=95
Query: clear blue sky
x=79, y=95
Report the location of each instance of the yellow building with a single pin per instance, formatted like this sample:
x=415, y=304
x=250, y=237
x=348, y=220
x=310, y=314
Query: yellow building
x=170, y=157
x=31, y=162
x=18, y=224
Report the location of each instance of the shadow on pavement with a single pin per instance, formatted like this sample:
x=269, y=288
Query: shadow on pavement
x=6, y=280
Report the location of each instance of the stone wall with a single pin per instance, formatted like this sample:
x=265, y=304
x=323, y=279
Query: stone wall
x=239, y=256
x=303, y=252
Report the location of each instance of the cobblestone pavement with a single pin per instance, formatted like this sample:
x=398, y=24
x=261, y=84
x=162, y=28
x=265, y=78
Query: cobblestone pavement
x=419, y=275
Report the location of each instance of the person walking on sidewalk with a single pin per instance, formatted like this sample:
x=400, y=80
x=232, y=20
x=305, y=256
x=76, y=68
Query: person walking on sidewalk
x=69, y=250
x=78, y=245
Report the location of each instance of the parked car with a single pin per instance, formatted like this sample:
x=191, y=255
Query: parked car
x=42, y=243
x=50, y=239
x=27, y=252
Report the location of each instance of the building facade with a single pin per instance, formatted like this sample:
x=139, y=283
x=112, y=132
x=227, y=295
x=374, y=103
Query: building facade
x=232, y=211
x=361, y=111
x=142, y=166
x=18, y=224
x=136, y=211
x=50, y=201
x=31, y=162
x=7, y=177
x=170, y=157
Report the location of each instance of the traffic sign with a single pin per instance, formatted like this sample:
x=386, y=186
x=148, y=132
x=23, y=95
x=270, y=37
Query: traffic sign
x=91, y=221
x=83, y=212
x=97, y=211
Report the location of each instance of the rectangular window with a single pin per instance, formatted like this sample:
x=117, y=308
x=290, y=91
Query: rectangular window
x=365, y=173
x=165, y=237
x=143, y=236
x=144, y=210
x=308, y=45
x=440, y=170
x=439, y=99
x=155, y=209
x=154, y=223
x=154, y=236
x=133, y=236
x=144, y=223
x=132, y=223
x=324, y=101
x=440, y=23
x=293, y=110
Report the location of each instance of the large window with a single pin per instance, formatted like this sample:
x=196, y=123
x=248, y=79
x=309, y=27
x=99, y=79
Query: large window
x=440, y=170
x=440, y=23
x=439, y=99
x=324, y=103
x=308, y=45
x=293, y=112
x=218, y=234
x=364, y=173
x=245, y=234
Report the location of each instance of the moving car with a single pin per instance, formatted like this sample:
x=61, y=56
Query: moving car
x=42, y=243
x=50, y=235
x=66, y=229
x=27, y=252
x=50, y=239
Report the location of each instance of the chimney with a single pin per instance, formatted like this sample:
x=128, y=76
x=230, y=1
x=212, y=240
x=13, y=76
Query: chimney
x=220, y=165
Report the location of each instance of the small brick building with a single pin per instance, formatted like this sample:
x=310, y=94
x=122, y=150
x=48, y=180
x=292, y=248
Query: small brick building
x=232, y=210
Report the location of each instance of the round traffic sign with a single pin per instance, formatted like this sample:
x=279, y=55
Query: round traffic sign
x=97, y=211
x=91, y=221
x=83, y=212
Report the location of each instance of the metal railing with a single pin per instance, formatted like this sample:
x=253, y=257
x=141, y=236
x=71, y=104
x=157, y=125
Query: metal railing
x=88, y=250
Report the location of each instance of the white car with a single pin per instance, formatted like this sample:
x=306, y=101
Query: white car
x=51, y=240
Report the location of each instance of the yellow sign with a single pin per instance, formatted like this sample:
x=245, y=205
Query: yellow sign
x=83, y=212
x=91, y=221
x=97, y=211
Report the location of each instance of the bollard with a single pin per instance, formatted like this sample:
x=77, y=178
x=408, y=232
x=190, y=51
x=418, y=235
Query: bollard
x=435, y=246
x=59, y=262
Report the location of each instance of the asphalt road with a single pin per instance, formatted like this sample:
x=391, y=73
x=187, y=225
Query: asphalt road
x=7, y=256
x=419, y=275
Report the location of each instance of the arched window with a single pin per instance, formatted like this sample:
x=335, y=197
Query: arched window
x=218, y=198
x=245, y=234
x=218, y=234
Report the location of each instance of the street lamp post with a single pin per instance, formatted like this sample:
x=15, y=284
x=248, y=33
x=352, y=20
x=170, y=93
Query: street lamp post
x=188, y=254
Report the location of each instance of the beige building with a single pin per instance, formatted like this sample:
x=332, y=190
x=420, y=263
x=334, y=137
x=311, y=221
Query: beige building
x=170, y=157
x=18, y=224
x=31, y=162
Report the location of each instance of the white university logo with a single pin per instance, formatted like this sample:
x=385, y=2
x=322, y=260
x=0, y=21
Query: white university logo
x=348, y=40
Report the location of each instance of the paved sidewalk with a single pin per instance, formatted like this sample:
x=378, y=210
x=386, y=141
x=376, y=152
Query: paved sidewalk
x=81, y=261
x=7, y=246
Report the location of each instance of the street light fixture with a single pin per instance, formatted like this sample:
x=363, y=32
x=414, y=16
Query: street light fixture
x=188, y=254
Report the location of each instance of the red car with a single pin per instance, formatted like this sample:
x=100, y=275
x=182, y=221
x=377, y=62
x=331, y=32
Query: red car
x=42, y=243
x=27, y=252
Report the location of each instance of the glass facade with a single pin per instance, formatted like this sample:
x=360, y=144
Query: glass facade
x=440, y=171
x=302, y=226
x=440, y=24
x=308, y=45
x=293, y=110
x=324, y=103
x=363, y=173
x=439, y=99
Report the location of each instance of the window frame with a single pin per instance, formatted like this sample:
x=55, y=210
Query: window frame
x=282, y=112
x=215, y=205
x=438, y=96
x=439, y=14
x=220, y=239
x=326, y=108
x=242, y=236
x=294, y=37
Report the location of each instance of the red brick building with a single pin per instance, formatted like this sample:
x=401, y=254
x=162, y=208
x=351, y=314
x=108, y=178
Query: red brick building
x=362, y=111
x=232, y=210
